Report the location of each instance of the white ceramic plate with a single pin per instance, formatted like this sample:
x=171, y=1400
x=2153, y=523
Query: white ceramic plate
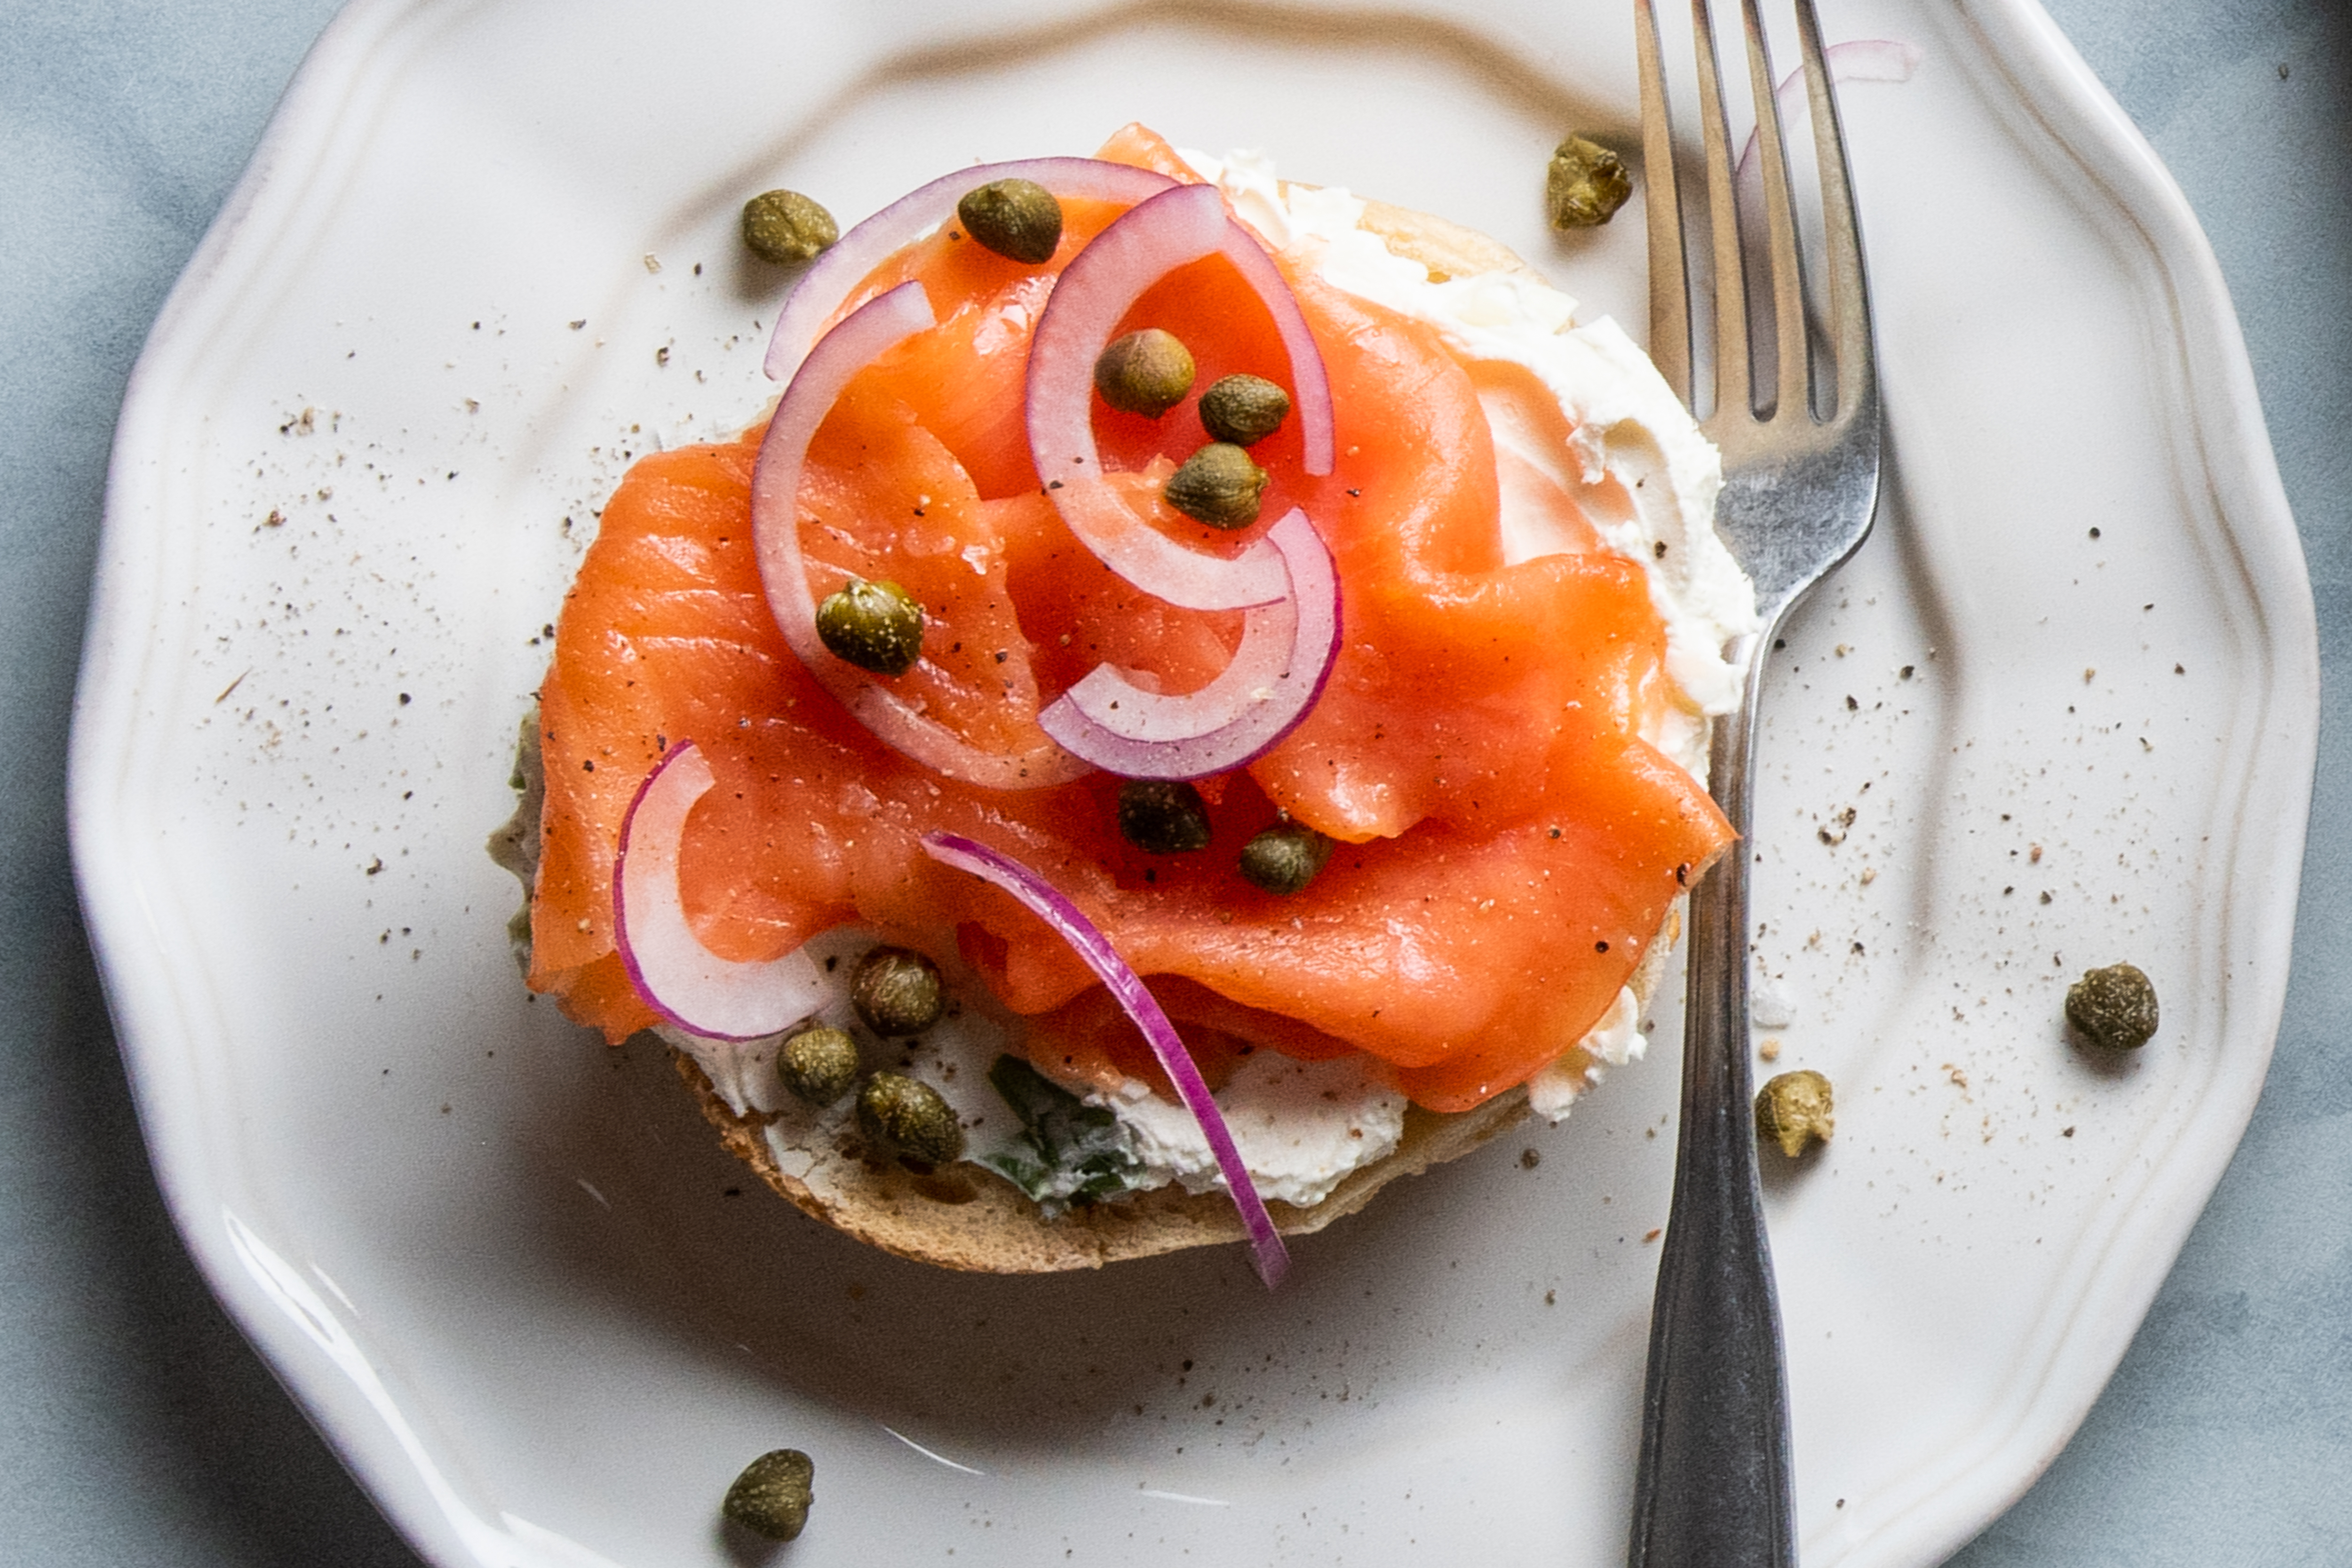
x=2060, y=712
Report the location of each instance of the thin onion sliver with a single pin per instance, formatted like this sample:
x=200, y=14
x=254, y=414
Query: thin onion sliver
x=1857, y=60
x=685, y=982
x=1049, y=904
x=1280, y=669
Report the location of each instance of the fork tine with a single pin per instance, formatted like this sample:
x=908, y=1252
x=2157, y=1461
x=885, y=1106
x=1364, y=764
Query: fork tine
x=1849, y=294
x=1732, y=388
x=1670, y=326
x=1791, y=395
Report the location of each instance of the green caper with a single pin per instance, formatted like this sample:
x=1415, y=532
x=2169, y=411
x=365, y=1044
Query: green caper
x=898, y=991
x=1218, y=485
x=1585, y=185
x=773, y=1495
x=1794, y=1110
x=1284, y=858
x=910, y=1116
x=874, y=626
x=819, y=1064
x=2114, y=1007
x=1163, y=816
x=785, y=227
x=1018, y=218
x=1243, y=409
x=1145, y=372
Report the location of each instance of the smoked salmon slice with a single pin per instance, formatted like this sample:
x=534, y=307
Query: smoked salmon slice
x=1510, y=845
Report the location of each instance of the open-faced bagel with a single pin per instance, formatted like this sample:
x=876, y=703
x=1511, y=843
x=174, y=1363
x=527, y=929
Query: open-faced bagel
x=964, y=1216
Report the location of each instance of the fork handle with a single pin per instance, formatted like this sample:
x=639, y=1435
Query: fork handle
x=1712, y=1489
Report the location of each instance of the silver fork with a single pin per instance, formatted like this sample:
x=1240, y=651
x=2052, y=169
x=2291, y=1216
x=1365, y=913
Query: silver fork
x=1712, y=1489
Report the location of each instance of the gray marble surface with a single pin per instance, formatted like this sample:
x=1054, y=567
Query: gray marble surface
x=136, y=1427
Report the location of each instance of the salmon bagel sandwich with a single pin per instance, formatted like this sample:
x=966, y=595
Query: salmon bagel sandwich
x=1185, y=711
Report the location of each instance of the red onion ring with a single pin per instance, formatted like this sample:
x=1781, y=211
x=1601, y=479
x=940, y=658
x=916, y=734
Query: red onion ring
x=1283, y=662
x=868, y=332
x=679, y=978
x=1049, y=904
x=1098, y=287
x=832, y=277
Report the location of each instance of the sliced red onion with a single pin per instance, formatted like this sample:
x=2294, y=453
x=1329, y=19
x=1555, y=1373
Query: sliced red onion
x=1098, y=287
x=679, y=978
x=1859, y=59
x=869, y=330
x=1049, y=904
x=832, y=277
x=1283, y=662
x=1862, y=60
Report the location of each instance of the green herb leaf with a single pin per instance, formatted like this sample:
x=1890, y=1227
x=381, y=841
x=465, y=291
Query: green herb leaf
x=1070, y=1153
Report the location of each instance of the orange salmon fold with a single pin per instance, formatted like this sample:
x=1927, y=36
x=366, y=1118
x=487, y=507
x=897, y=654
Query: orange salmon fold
x=1510, y=846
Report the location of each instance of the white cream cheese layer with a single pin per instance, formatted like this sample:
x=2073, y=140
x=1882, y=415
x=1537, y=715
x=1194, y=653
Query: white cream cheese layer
x=1613, y=1042
x=1300, y=1126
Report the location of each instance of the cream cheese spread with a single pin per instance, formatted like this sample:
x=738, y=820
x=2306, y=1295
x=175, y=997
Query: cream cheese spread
x=1300, y=1127
x=1613, y=1042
